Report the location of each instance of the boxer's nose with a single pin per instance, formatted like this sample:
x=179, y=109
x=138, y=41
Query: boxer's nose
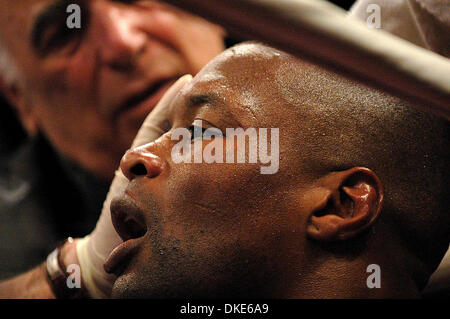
x=141, y=162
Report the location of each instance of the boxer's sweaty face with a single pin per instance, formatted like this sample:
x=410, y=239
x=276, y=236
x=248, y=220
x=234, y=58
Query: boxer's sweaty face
x=89, y=88
x=212, y=229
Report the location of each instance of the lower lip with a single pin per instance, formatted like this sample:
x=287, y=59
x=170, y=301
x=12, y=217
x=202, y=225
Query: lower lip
x=141, y=110
x=121, y=255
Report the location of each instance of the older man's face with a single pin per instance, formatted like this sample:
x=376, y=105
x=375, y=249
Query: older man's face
x=89, y=89
x=211, y=230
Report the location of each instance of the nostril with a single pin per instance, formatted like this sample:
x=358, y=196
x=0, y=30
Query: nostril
x=139, y=170
x=141, y=163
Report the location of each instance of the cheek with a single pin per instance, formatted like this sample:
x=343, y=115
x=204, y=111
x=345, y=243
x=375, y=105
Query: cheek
x=67, y=80
x=217, y=212
x=80, y=74
x=219, y=192
x=217, y=205
x=217, y=187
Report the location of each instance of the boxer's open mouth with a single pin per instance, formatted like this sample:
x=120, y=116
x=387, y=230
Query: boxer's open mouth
x=121, y=256
x=128, y=220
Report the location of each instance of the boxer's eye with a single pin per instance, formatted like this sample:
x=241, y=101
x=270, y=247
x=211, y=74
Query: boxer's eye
x=196, y=131
x=208, y=132
x=211, y=132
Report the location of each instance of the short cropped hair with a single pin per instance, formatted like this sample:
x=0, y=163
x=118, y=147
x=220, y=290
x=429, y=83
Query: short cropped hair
x=351, y=124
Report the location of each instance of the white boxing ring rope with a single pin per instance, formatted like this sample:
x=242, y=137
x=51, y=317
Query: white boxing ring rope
x=322, y=33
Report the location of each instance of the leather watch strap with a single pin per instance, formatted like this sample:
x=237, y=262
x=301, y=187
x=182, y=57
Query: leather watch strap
x=57, y=276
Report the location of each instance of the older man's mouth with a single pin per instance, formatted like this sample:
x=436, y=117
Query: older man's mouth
x=140, y=104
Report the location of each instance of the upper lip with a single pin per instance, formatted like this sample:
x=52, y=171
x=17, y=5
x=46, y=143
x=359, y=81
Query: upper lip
x=128, y=220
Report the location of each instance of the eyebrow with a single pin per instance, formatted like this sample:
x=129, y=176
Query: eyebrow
x=213, y=100
x=197, y=100
x=45, y=18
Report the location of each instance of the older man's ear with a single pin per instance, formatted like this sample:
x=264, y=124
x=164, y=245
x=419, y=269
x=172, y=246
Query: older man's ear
x=17, y=100
x=344, y=204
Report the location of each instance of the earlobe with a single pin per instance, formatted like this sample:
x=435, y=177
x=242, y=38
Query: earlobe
x=351, y=205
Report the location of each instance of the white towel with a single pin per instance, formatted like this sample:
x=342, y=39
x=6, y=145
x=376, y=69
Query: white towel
x=425, y=23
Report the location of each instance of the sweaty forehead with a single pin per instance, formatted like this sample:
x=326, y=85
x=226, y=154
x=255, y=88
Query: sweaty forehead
x=246, y=69
x=243, y=77
x=242, y=64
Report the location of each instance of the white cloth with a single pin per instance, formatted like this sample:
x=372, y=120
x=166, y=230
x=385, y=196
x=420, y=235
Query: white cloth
x=93, y=249
x=425, y=23
x=441, y=277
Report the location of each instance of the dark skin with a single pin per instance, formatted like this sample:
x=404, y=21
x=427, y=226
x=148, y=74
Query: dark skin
x=222, y=230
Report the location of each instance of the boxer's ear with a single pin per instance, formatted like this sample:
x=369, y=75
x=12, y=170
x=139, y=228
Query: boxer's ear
x=344, y=204
x=17, y=100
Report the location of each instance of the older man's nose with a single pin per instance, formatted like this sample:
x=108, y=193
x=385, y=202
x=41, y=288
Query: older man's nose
x=122, y=40
x=141, y=163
